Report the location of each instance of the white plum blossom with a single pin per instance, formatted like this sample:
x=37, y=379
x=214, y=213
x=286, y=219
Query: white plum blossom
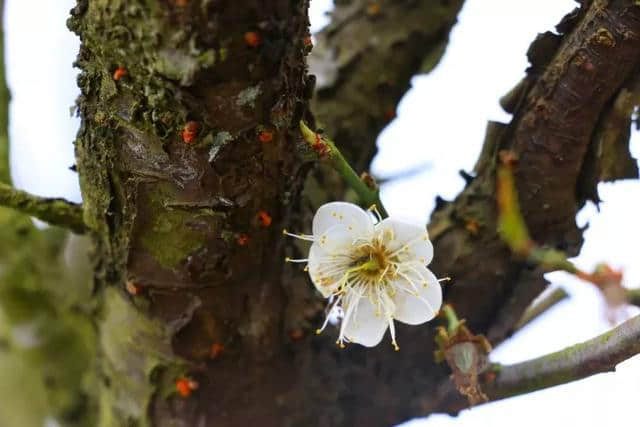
x=372, y=274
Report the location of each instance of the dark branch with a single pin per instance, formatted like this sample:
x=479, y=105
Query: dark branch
x=364, y=61
x=570, y=86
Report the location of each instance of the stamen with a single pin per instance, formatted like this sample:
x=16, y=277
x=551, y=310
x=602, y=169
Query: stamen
x=416, y=295
x=384, y=272
x=351, y=307
x=306, y=237
x=287, y=259
x=392, y=329
x=333, y=305
x=445, y=279
x=408, y=279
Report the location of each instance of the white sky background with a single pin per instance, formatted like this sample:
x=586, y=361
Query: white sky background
x=485, y=58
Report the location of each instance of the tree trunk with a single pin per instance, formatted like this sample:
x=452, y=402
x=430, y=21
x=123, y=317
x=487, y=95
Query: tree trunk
x=186, y=198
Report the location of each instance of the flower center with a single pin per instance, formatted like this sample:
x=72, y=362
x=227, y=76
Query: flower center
x=373, y=262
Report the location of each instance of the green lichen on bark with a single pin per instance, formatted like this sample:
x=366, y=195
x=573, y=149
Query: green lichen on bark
x=163, y=210
x=163, y=233
x=133, y=348
x=54, y=211
x=597, y=355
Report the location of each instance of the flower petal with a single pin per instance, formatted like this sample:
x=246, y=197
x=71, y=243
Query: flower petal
x=412, y=309
x=337, y=239
x=357, y=221
x=365, y=326
x=410, y=241
x=325, y=269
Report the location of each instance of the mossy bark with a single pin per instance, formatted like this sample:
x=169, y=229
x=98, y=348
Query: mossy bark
x=166, y=209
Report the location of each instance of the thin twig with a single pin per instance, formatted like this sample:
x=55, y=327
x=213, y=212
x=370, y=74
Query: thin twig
x=541, y=306
x=405, y=174
x=597, y=355
x=54, y=211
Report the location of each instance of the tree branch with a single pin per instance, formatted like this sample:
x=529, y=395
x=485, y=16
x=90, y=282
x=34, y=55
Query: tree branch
x=54, y=211
x=595, y=356
x=572, y=82
x=571, y=85
x=541, y=307
x=364, y=61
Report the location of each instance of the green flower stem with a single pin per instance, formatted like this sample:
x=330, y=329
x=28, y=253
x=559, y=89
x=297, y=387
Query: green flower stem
x=368, y=196
x=58, y=212
x=453, y=323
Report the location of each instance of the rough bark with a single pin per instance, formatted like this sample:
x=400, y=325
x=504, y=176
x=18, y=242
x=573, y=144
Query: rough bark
x=166, y=211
